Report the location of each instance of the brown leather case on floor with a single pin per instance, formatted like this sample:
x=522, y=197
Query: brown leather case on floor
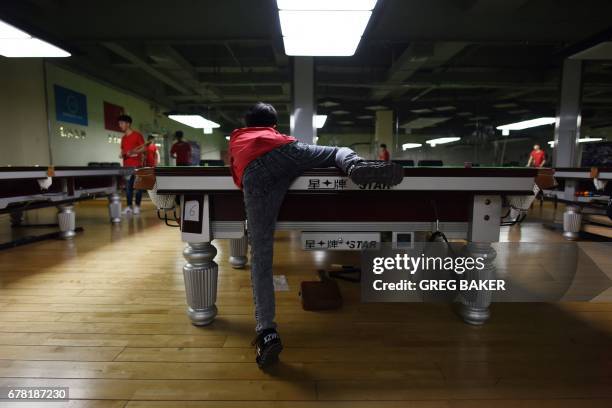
x=324, y=295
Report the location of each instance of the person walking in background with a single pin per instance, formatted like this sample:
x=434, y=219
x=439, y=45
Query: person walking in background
x=181, y=150
x=152, y=158
x=132, y=153
x=383, y=153
x=537, y=157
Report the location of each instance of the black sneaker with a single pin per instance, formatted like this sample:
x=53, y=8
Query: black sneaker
x=267, y=347
x=376, y=171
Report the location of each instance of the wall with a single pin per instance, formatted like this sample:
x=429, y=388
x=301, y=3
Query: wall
x=100, y=144
x=24, y=137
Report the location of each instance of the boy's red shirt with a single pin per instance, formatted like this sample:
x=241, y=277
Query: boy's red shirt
x=128, y=143
x=151, y=156
x=247, y=144
x=538, y=157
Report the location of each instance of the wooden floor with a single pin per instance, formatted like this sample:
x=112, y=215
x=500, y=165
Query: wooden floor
x=104, y=315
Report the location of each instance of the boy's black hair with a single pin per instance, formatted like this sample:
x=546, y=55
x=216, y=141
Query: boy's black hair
x=178, y=134
x=384, y=146
x=261, y=115
x=151, y=137
x=124, y=118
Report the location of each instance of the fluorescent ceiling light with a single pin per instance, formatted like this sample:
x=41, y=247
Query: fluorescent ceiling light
x=326, y=4
x=321, y=47
x=7, y=31
x=15, y=43
x=227, y=138
x=376, y=107
x=30, y=48
x=552, y=144
x=207, y=131
x=346, y=122
x=323, y=24
x=322, y=33
x=320, y=121
x=442, y=140
x=328, y=104
x=505, y=105
x=425, y=110
x=519, y=111
x=528, y=124
x=363, y=117
x=407, y=146
x=340, y=112
x=505, y=132
x=590, y=139
x=195, y=121
x=445, y=108
x=323, y=27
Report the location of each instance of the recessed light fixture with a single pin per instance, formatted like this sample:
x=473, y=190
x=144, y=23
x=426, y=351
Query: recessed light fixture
x=526, y=124
x=195, y=121
x=590, y=139
x=346, y=5
x=421, y=111
x=328, y=104
x=376, y=107
x=15, y=43
x=442, y=140
x=363, y=117
x=320, y=121
x=323, y=27
x=407, y=146
x=505, y=105
x=340, y=112
x=346, y=122
x=445, y=108
x=518, y=111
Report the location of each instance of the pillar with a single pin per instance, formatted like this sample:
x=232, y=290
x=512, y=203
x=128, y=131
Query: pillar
x=384, y=130
x=567, y=129
x=303, y=100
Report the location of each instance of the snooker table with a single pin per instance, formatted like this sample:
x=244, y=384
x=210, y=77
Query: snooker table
x=464, y=203
x=28, y=188
x=574, y=180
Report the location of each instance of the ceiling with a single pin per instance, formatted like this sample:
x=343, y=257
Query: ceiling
x=444, y=66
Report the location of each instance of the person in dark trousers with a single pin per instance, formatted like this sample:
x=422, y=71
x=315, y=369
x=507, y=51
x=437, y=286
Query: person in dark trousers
x=132, y=153
x=383, y=153
x=263, y=163
x=181, y=150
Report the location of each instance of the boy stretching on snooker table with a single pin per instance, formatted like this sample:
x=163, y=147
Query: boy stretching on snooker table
x=263, y=163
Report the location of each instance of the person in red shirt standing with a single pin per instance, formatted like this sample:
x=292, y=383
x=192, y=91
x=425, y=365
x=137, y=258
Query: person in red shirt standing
x=181, y=150
x=264, y=163
x=152, y=158
x=383, y=153
x=537, y=157
x=132, y=153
